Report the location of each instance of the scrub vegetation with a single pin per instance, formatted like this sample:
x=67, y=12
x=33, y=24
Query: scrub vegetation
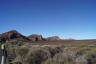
x=52, y=54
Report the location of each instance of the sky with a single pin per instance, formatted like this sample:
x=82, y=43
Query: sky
x=64, y=18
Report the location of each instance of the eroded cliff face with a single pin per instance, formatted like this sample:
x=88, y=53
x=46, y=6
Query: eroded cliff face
x=35, y=37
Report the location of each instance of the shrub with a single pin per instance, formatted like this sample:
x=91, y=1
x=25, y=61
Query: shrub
x=91, y=56
x=60, y=58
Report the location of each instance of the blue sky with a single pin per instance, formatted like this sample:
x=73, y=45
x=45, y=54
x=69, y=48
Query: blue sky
x=64, y=18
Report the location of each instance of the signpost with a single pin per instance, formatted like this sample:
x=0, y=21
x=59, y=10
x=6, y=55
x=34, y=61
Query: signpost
x=3, y=57
x=3, y=53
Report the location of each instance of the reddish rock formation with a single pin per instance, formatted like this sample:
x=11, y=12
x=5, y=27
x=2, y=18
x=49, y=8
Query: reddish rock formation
x=7, y=36
x=36, y=37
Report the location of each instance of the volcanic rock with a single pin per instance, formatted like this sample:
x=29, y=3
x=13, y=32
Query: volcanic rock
x=36, y=37
x=13, y=34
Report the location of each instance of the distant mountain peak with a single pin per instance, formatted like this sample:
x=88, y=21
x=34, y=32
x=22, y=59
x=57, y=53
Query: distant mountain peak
x=53, y=38
x=13, y=34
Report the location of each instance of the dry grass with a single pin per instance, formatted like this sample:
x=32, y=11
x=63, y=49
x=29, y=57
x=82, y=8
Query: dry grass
x=64, y=52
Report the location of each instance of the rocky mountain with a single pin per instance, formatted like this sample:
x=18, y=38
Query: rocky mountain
x=53, y=38
x=69, y=39
x=35, y=37
x=13, y=34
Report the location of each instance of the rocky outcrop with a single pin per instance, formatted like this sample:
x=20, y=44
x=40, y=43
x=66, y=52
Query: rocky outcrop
x=36, y=37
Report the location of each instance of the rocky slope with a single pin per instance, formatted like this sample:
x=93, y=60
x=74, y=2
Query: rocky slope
x=36, y=37
x=13, y=34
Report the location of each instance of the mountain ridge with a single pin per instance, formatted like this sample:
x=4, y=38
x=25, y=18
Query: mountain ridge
x=13, y=34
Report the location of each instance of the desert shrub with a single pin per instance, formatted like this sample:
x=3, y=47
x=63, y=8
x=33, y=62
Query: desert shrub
x=22, y=51
x=60, y=58
x=54, y=49
x=46, y=54
x=91, y=56
x=37, y=55
x=11, y=49
x=66, y=57
x=80, y=60
x=17, y=60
